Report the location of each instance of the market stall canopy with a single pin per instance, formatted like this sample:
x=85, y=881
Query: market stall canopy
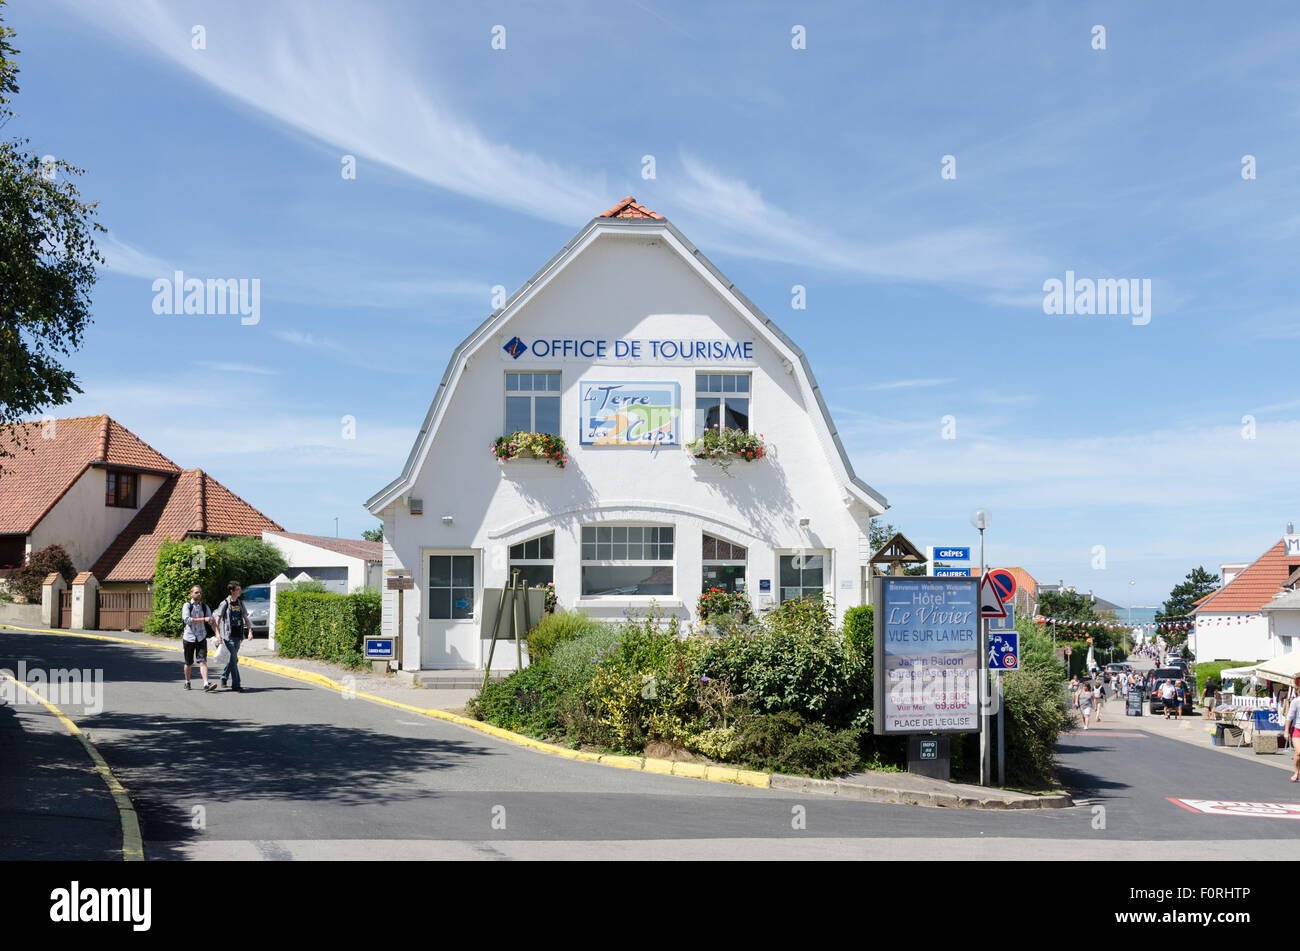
x=1284, y=669
x=1237, y=673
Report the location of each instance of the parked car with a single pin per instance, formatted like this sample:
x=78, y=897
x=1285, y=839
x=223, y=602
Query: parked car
x=257, y=599
x=1158, y=705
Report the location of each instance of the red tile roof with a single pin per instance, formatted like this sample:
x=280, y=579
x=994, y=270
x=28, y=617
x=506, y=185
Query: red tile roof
x=1254, y=587
x=55, y=454
x=194, y=503
x=628, y=208
x=352, y=547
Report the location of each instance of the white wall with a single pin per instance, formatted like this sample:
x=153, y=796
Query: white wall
x=624, y=287
x=83, y=524
x=1222, y=637
x=306, y=555
x=1286, y=630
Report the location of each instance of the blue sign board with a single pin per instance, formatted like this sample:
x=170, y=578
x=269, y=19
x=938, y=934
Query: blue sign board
x=952, y=554
x=379, y=648
x=764, y=584
x=952, y=572
x=1004, y=650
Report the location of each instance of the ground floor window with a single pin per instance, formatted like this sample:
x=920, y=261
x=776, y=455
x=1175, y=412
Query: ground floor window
x=627, y=560
x=451, y=587
x=724, y=565
x=801, y=576
x=534, y=560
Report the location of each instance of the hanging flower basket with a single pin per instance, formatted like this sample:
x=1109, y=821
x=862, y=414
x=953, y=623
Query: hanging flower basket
x=722, y=447
x=530, y=446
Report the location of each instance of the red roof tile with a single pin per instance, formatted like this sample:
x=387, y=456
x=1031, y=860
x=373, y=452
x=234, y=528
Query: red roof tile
x=55, y=454
x=193, y=503
x=352, y=547
x=1254, y=587
x=628, y=208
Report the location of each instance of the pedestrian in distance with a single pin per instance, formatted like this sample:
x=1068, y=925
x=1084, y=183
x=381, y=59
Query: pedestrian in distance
x=233, y=626
x=1167, y=695
x=194, y=640
x=1291, y=729
x=1180, y=697
x=1084, y=701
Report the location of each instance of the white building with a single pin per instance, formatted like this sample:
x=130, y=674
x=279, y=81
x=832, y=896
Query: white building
x=1246, y=619
x=341, y=564
x=625, y=344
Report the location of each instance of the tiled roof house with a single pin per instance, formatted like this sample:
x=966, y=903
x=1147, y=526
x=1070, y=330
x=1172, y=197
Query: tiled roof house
x=94, y=487
x=1231, y=623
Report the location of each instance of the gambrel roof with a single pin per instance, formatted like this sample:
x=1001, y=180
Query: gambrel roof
x=629, y=218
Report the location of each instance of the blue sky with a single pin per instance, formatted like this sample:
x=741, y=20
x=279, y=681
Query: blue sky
x=818, y=167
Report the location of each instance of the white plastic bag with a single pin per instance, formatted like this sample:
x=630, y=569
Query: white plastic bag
x=220, y=655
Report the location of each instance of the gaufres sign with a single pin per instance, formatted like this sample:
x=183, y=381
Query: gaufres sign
x=674, y=350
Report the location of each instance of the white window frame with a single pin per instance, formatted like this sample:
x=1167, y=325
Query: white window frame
x=532, y=400
x=722, y=398
x=584, y=562
x=723, y=562
x=512, y=562
x=827, y=588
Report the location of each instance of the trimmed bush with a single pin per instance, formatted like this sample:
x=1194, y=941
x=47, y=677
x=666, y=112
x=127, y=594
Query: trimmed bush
x=1037, y=712
x=326, y=626
x=526, y=701
x=27, y=580
x=794, y=661
x=554, y=629
x=179, y=567
x=785, y=743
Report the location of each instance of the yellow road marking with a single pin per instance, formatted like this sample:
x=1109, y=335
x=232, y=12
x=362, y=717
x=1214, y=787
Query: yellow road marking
x=132, y=841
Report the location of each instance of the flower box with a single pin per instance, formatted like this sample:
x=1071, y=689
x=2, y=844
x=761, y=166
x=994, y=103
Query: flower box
x=542, y=447
x=724, y=447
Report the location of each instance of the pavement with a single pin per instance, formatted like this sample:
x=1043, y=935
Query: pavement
x=289, y=770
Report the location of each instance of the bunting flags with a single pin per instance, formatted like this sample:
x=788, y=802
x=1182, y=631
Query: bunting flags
x=1148, y=626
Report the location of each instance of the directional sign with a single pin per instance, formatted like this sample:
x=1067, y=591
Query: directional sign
x=952, y=554
x=990, y=600
x=952, y=572
x=1004, y=651
x=1004, y=583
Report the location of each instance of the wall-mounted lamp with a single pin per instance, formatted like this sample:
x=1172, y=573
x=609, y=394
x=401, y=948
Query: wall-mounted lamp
x=446, y=520
x=803, y=523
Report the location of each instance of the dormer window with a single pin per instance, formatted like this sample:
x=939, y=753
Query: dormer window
x=122, y=489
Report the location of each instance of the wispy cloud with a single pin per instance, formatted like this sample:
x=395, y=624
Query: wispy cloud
x=130, y=261
x=357, y=88
x=909, y=384
x=237, y=368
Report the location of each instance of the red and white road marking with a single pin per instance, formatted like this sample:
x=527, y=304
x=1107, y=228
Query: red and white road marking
x=1219, y=807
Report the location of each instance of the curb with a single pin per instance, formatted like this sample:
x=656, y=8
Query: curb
x=856, y=791
x=717, y=774
x=132, y=840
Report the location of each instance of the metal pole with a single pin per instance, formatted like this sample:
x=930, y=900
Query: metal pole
x=496, y=626
x=1002, y=753
x=982, y=673
x=519, y=635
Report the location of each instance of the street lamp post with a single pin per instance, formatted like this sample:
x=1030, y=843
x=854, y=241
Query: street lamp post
x=981, y=519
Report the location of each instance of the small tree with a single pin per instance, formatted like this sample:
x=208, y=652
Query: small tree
x=27, y=580
x=250, y=561
x=373, y=534
x=179, y=567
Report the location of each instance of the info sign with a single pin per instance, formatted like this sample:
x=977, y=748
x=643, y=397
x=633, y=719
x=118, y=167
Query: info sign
x=928, y=648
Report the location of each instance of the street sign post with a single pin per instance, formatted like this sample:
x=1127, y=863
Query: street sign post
x=1003, y=651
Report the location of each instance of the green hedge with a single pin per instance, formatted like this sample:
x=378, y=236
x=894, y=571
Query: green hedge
x=326, y=626
x=179, y=567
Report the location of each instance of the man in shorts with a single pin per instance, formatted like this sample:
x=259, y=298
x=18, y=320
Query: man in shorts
x=1169, y=696
x=194, y=641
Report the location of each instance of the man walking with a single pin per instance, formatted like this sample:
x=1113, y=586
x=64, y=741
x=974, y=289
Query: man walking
x=194, y=641
x=1167, y=694
x=233, y=626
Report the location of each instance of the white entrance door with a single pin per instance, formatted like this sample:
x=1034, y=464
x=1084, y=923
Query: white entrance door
x=451, y=625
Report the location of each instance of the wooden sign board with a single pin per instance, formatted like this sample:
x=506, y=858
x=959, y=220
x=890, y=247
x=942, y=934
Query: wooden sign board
x=401, y=583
